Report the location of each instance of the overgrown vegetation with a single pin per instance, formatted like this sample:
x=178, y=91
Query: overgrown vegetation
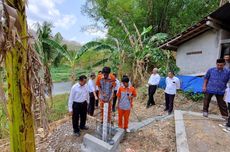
x=63, y=73
x=4, y=127
x=196, y=97
x=58, y=111
x=137, y=27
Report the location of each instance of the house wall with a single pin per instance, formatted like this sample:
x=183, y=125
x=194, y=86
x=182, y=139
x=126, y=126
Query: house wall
x=198, y=64
x=225, y=34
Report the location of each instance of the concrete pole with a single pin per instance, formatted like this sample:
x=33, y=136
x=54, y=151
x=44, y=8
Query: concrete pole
x=105, y=122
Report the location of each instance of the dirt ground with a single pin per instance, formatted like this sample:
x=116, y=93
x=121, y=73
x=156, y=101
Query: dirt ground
x=205, y=135
x=180, y=103
x=159, y=136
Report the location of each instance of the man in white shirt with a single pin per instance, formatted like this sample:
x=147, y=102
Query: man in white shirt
x=227, y=100
x=77, y=105
x=97, y=91
x=227, y=58
x=172, y=84
x=92, y=94
x=153, y=82
x=115, y=93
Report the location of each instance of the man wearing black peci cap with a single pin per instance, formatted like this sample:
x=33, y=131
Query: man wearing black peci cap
x=78, y=100
x=215, y=83
x=106, y=83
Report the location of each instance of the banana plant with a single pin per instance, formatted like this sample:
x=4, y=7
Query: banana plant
x=22, y=66
x=73, y=57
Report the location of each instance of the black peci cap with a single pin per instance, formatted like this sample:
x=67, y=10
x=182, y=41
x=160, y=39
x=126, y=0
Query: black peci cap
x=220, y=61
x=106, y=70
x=125, y=79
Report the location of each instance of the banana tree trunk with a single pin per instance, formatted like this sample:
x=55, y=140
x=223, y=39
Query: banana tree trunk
x=73, y=73
x=19, y=93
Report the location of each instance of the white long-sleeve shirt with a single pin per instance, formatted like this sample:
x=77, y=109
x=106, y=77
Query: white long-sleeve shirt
x=154, y=79
x=227, y=95
x=78, y=94
x=172, y=84
x=91, y=85
x=117, y=85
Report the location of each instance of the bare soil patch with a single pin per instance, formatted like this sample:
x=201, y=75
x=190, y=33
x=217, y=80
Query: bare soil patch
x=205, y=135
x=157, y=137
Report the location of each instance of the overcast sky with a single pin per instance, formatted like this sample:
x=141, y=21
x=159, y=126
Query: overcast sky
x=66, y=17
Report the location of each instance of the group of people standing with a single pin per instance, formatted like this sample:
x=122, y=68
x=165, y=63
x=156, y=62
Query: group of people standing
x=103, y=88
x=172, y=84
x=106, y=88
x=216, y=83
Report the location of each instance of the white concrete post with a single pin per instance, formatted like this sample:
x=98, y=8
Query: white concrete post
x=105, y=121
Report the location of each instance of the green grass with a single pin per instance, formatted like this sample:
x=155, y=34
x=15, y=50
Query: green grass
x=4, y=127
x=59, y=109
x=60, y=74
x=57, y=112
x=85, y=64
x=63, y=73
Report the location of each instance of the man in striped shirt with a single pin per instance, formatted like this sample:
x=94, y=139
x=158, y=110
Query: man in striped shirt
x=106, y=84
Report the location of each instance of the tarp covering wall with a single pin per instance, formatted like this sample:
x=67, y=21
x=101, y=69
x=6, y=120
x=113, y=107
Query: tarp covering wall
x=188, y=83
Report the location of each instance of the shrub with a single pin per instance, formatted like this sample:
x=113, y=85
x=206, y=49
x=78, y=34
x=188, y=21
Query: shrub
x=194, y=96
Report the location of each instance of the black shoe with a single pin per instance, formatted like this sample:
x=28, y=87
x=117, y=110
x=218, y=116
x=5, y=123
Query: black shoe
x=170, y=112
x=147, y=106
x=165, y=109
x=77, y=134
x=84, y=128
x=114, y=110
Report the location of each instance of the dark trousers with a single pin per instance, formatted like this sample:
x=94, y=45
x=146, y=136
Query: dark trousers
x=79, y=111
x=97, y=101
x=221, y=103
x=152, y=90
x=169, y=101
x=114, y=100
x=91, y=105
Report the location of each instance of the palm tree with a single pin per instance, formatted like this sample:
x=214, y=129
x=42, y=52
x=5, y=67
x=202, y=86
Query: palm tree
x=58, y=38
x=46, y=52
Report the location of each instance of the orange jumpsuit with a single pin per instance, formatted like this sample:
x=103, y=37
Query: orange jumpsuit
x=125, y=105
x=106, y=86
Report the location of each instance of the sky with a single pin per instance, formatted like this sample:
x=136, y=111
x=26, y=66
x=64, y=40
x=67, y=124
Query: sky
x=66, y=17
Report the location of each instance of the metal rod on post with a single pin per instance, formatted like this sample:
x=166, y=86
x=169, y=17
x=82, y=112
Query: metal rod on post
x=105, y=122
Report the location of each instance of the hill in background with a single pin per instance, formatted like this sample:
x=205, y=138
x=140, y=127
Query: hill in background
x=72, y=45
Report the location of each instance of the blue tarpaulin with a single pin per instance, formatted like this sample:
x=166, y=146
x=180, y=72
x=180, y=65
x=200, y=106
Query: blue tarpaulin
x=188, y=83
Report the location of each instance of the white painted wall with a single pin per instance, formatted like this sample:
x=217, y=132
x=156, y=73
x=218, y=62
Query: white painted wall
x=198, y=64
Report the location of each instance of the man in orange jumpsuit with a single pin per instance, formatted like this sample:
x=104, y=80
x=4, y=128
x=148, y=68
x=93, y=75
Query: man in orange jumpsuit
x=106, y=84
x=125, y=96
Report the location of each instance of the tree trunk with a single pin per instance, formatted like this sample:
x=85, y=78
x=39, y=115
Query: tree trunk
x=19, y=93
x=73, y=73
